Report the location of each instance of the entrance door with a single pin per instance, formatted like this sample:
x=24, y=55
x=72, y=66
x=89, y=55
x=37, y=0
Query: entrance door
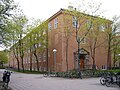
x=81, y=63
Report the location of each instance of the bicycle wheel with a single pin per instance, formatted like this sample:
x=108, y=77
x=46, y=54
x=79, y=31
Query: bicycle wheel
x=102, y=80
x=45, y=74
x=108, y=82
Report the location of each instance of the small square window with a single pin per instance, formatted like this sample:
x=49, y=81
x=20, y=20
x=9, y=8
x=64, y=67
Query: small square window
x=102, y=27
x=89, y=24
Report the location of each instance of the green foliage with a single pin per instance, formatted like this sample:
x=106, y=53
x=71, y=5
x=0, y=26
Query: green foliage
x=37, y=36
x=6, y=6
x=31, y=72
x=3, y=57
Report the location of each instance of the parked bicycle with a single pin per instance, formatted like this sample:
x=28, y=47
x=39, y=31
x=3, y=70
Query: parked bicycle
x=103, y=79
x=110, y=78
x=6, y=79
x=46, y=74
x=51, y=74
x=104, y=76
x=115, y=79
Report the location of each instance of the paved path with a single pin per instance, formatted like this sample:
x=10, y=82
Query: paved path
x=21, y=81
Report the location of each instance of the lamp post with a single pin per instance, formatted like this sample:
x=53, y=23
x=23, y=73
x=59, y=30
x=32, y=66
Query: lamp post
x=78, y=41
x=119, y=60
x=54, y=52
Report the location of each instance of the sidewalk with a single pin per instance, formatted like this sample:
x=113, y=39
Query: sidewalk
x=0, y=85
x=21, y=81
x=1, y=88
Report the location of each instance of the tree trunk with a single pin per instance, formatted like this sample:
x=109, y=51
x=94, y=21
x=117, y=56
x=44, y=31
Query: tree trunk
x=114, y=59
x=109, y=52
x=93, y=57
x=16, y=56
x=47, y=59
x=22, y=64
x=67, y=55
x=18, y=65
x=36, y=61
x=30, y=61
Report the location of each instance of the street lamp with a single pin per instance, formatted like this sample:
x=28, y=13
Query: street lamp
x=119, y=60
x=78, y=41
x=54, y=51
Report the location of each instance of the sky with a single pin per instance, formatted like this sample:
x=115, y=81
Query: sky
x=43, y=9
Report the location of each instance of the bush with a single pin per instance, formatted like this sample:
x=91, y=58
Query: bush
x=113, y=68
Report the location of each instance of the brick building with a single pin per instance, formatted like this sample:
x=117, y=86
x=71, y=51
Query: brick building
x=64, y=30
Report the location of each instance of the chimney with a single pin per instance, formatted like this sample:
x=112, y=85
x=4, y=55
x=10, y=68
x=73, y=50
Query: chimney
x=70, y=8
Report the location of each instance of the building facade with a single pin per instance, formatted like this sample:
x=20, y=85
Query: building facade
x=56, y=48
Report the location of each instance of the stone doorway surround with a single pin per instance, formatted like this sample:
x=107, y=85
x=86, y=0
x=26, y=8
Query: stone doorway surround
x=84, y=59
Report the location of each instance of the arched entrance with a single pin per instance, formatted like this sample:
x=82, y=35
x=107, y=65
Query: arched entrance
x=83, y=59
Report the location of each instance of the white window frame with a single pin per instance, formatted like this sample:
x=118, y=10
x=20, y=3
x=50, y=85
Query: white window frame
x=55, y=23
x=74, y=18
x=49, y=26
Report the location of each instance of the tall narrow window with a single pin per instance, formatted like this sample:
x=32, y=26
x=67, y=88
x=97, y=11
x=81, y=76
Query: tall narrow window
x=44, y=56
x=49, y=26
x=74, y=21
x=55, y=23
x=39, y=57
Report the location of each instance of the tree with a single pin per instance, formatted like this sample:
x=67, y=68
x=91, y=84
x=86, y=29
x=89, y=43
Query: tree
x=95, y=37
x=84, y=26
x=115, y=50
x=67, y=34
x=18, y=31
x=6, y=6
x=115, y=46
x=81, y=16
x=36, y=42
x=39, y=38
x=3, y=58
x=111, y=33
x=22, y=20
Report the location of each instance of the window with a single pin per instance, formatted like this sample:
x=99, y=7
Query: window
x=49, y=26
x=74, y=21
x=28, y=50
x=103, y=67
x=39, y=44
x=55, y=23
x=44, y=32
x=102, y=27
x=89, y=24
x=40, y=57
x=44, y=57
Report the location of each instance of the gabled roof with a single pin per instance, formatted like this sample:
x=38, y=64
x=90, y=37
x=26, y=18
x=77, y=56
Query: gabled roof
x=56, y=14
x=72, y=12
x=82, y=51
